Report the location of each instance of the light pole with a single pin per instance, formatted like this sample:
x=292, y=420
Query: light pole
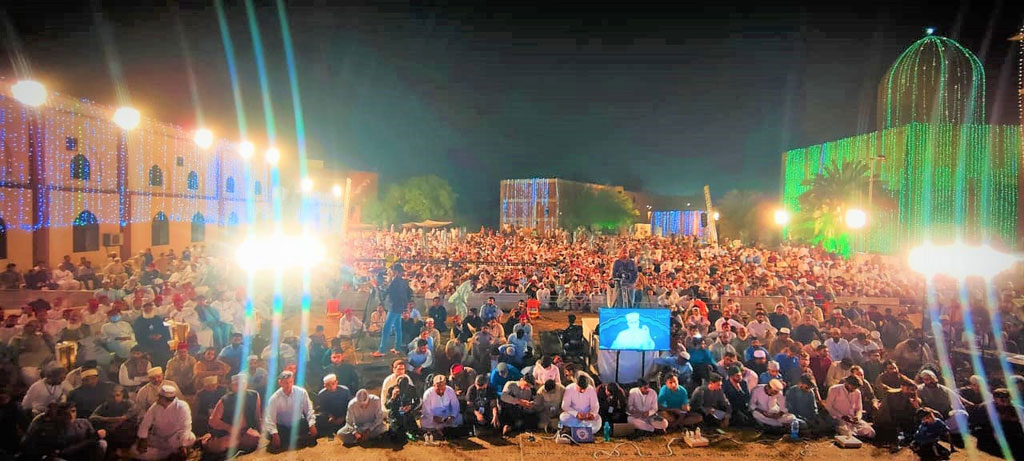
x=127, y=119
x=33, y=95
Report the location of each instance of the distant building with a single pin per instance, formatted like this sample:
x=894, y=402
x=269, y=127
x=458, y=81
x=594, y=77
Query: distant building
x=538, y=203
x=74, y=183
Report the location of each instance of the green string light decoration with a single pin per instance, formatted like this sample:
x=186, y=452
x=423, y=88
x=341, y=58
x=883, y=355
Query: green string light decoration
x=941, y=174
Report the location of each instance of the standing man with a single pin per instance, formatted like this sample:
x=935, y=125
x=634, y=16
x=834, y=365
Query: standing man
x=624, y=273
x=398, y=296
x=289, y=412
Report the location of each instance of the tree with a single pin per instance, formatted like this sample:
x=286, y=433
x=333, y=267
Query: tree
x=746, y=216
x=415, y=199
x=824, y=204
x=598, y=209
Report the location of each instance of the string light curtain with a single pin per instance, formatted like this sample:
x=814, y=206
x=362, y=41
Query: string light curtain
x=946, y=175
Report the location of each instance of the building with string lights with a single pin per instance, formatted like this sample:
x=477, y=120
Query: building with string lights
x=939, y=172
x=85, y=180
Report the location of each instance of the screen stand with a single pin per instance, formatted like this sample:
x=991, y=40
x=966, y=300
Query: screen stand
x=617, y=365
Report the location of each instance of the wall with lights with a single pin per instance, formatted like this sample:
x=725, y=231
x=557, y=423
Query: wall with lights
x=80, y=156
x=941, y=173
x=531, y=203
x=677, y=222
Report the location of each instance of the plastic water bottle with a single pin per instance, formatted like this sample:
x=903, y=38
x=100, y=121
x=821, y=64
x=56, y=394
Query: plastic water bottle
x=607, y=431
x=794, y=429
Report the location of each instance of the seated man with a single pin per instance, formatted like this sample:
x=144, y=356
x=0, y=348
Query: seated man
x=440, y=407
x=802, y=400
x=518, y=405
x=59, y=434
x=710, y=402
x=331, y=405
x=289, y=415
x=945, y=401
x=642, y=408
x=482, y=404
x=46, y=391
x=420, y=361
x=580, y=406
x=674, y=404
x=364, y=419
x=613, y=402
x=896, y=414
x=845, y=406
x=502, y=374
x=737, y=391
x=768, y=405
x=149, y=394
x=244, y=428
x=549, y=403
x=166, y=428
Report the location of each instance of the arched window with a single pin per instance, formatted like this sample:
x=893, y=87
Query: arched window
x=156, y=176
x=3, y=239
x=198, y=228
x=233, y=219
x=161, y=232
x=229, y=184
x=257, y=188
x=86, y=232
x=80, y=167
x=193, y=181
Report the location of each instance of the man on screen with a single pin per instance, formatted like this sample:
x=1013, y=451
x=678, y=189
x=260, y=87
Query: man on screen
x=635, y=336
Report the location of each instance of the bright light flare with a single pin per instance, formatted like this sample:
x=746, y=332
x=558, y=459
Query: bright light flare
x=856, y=218
x=960, y=261
x=717, y=216
x=279, y=251
x=203, y=138
x=336, y=190
x=127, y=118
x=29, y=92
x=306, y=184
x=272, y=156
x=781, y=217
x=246, y=149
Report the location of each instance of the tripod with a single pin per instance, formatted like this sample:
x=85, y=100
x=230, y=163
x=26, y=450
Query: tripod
x=623, y=294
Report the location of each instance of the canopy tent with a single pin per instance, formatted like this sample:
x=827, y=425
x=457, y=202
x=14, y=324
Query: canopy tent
x=426, y=224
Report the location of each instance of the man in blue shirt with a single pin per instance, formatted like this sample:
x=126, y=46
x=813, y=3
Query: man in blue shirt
x=420, y=361
x=232, y=354
x=490, y=311
x=700, y=359
x=398, y=295
x=502, y=374
x=674, y=405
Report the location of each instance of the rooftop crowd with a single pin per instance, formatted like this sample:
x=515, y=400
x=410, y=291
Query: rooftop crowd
x=135, y=386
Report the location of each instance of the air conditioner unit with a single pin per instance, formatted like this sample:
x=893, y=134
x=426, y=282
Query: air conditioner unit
x=112, y=240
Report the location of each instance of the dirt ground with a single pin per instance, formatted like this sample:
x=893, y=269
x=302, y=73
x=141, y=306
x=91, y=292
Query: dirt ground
x=742, y=445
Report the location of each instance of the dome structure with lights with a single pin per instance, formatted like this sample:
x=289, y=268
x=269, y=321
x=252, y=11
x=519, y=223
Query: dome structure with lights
x=936, y=170
x=936, y=80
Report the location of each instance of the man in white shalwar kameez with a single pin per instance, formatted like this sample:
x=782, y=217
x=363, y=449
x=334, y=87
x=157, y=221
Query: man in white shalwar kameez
x=634, y=337
x=845, y=405
x=440, y=407
x=580, y=406
x=642, y=408
x=768, y=405
x=166, y=428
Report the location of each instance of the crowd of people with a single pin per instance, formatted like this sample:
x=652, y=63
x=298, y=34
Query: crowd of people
x=123, y=377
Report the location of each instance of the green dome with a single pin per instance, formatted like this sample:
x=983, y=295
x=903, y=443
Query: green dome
x=936, y=80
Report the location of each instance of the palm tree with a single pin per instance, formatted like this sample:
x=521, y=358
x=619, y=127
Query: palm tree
x=825, y=202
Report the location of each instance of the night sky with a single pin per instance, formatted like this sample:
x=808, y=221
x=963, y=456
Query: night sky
x=663, y=97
